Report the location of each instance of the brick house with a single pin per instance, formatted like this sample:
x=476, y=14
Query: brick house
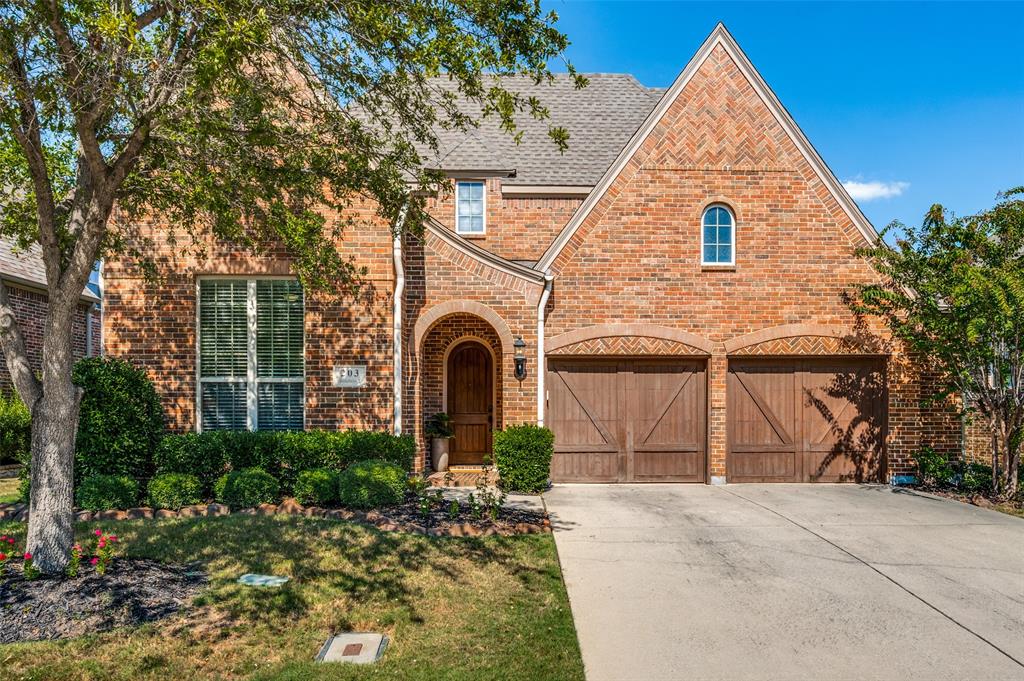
x=672, y=286
x=24, y=275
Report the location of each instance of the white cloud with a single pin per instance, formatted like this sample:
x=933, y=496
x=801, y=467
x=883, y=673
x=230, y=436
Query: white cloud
x=869, y=191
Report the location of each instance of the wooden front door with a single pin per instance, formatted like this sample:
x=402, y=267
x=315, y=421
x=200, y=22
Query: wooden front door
x=627, y=420
x=470, y=403
x=806, y=420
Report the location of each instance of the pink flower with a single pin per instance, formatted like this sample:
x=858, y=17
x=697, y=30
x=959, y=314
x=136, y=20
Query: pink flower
x=94, y=561
x=28, y=556
x=98, y=532
x=10, y=540
x=3, y=557
x=112, y=538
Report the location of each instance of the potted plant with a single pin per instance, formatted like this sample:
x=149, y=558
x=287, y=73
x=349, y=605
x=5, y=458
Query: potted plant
x=439, y=430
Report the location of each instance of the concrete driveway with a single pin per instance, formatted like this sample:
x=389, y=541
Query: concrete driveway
x=789, y=582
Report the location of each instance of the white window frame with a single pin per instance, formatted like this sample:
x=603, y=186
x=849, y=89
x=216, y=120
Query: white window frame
x=732, y=251
x=483, y=201
x=252, y=379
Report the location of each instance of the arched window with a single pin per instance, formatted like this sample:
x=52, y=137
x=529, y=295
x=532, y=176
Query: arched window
x=718, y=238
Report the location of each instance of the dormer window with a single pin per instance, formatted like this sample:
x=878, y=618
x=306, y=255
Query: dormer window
x=718, y=237
x=469, y=208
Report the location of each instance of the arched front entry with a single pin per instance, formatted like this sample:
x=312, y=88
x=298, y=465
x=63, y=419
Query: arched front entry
x=469, y=401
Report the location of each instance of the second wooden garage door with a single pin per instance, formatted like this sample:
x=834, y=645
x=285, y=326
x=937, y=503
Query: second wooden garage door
x=806, y=420
x=627, y=420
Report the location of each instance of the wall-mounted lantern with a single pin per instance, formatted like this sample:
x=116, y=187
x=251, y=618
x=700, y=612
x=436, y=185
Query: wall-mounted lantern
x=520, y=357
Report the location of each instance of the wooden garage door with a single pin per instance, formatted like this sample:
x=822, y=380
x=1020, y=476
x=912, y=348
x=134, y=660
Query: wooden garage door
x=627, y=420
x=806, y=420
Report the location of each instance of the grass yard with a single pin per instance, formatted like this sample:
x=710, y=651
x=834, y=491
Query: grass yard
x=490, y=608
x=8, y=490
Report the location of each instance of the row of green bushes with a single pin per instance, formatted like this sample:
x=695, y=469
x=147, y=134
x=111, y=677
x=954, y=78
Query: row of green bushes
x=121, y=433
x=284, y=455
x=937, y=470
x=364, y=484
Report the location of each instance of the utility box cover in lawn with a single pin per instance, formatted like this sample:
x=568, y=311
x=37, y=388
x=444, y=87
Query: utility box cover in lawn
x=353, y=647
x=250, y=579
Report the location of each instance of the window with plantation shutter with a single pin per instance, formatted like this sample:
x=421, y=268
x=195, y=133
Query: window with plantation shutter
x=251, y=354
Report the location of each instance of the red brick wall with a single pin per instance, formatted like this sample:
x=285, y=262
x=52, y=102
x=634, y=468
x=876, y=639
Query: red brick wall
x=155, y=326
x=517, y=228
x=30, y=310
x=636, y=258
x=439, y=275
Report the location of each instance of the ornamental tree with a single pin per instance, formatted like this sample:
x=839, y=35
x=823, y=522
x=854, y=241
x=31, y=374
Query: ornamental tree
x=953, y=291
x=236, y=119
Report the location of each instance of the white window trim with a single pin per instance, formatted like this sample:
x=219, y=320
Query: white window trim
x=251, y=379
x=483, y=216
x=732, y=252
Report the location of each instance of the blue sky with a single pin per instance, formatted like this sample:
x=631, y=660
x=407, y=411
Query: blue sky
x=924, y=99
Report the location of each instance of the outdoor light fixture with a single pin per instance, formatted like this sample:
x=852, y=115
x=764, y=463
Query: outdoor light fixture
x=520, y=345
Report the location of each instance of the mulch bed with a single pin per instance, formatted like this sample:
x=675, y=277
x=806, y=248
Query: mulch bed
x=438, y=522
x=973, y=498
x=132, y=592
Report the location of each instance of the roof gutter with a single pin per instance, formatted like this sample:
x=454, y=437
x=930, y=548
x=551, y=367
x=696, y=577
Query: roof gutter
x=396, y=254
x=541, y=372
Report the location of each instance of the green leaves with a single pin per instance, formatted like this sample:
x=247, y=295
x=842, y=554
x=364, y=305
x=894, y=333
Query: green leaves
x=258, y=122
x=953, y=290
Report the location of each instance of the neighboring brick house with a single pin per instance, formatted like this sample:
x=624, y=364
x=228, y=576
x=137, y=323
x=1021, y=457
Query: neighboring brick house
x=24, y=275
x=674, y=283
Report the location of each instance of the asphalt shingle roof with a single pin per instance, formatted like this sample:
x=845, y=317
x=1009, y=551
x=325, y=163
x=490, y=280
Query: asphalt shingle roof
x=26, y=266
x=599, y=118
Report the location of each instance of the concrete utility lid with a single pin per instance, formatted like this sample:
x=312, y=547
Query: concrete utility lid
x=250, y=579
x=353, y=647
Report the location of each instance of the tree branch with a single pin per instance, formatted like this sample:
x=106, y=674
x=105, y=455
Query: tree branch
x=154, y=13
x=29, y=137
x=13, y=344
x=85, y=124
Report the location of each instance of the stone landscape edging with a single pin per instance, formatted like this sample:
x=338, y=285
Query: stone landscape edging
x=18, y=512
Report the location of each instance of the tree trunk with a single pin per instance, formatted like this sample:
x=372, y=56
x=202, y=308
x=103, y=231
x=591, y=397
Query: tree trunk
x=51, y=506
x=54, y=429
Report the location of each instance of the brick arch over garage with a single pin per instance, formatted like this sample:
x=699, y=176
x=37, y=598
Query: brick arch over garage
x=807, y=339
x=639, y=330
x=427, y=320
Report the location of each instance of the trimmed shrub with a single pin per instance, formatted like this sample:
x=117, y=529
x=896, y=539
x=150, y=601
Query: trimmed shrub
x=366, y=445
x=523, y=456
x=317, y=487
x=174, y=490
x=976, y=478
x=933, y=468
x=247, y=488
x=372, y=484
x=202, y=455
x=282, y=454
x=121, y=420
x=102, y=492
x=15, y=430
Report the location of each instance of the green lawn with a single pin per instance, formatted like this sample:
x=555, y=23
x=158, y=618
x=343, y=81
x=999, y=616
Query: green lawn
x=8, y=490
x=455, y=609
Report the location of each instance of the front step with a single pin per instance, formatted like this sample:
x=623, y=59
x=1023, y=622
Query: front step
x=463, y=476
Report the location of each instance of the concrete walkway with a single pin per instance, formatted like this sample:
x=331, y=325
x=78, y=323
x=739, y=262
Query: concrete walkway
x=789, y=582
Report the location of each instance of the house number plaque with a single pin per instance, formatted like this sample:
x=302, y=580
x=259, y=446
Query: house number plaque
x=353, y=376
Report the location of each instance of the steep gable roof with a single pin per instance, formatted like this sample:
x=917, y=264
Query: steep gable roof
x=599, y=118
x=720, y=37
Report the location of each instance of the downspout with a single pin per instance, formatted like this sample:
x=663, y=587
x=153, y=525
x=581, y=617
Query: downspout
x=396, y=254
x=541, y=371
